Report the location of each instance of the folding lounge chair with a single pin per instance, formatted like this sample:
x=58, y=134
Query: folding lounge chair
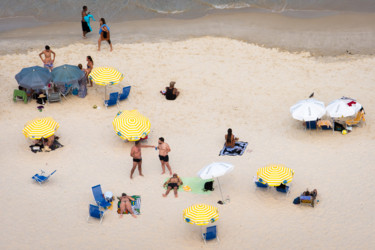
x=54, y=97
x=41, y=178
x=113, y=100
x=360, y=116
x=125, y=93
x=260, y=184
x=99, y=197
x=210, y=234
x=19, y=95
x=306, y=200
x=94, y=211
x=285, y=190
x=65, y=90
x=310, y=124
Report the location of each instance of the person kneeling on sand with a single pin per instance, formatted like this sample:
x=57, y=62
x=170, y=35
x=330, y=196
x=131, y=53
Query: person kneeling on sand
x=173, y=182
x=125, y=205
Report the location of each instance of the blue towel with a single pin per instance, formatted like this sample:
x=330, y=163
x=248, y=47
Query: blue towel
x=87, y=19
x=101, y=28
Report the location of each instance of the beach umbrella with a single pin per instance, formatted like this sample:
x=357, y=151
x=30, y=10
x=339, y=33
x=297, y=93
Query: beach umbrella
x=215, y=170
x=105, y=76
x=40, y=127
x=67, y=74
x=343, y=107
x=200, y=214
x=131, y=125
x=34, y=77
x=274, y=175
x=308, y=110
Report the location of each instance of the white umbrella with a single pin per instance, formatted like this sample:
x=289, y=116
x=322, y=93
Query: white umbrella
x=308, y=110
x=215, y=170
x=343, y=107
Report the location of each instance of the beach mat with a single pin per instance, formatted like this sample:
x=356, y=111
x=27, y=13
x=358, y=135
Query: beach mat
x=238, y=149
x=136, y=205
x=195, y=183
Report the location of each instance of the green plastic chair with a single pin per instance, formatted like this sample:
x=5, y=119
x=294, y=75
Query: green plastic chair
x=19, y=94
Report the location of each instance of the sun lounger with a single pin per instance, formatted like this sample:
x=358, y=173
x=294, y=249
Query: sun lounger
x=54, y=97
x=125, y=93
x=260, y=184
x=210, y=234
x=41, y=178
x=113, y=100
x=94, y=211
x=310, y=124
x=285, y=190
x=99, y=197
x=360, y=116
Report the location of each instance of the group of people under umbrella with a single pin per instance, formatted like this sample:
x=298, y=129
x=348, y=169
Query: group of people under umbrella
x=343, y=113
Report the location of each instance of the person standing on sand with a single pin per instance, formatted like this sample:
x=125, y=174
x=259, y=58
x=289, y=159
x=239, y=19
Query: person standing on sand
x=164, y=149
x=104, y=34
x=85, y=26
x=48, y=61
x=90, y=65
x=137, y=157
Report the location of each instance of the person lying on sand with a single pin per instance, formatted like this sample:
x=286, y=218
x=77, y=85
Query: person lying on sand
x=173, y=182
x=125, y=205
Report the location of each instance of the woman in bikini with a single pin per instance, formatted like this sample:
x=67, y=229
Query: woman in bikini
x=230, y=139
x=90, y=65
x=125, y=205
x=104, y=34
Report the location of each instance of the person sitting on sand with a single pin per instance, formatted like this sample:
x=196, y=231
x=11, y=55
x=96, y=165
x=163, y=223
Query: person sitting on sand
x=313, y=193
x=230, y=139
x=170, y=92
x=173, y=182
x=48, y=61
x=125, y=205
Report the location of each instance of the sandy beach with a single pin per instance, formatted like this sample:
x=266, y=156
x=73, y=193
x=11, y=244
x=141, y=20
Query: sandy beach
x=224, y=83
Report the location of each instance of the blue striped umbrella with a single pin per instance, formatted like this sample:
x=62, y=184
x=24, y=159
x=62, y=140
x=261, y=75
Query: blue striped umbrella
x=67, y=74
x=34, y=77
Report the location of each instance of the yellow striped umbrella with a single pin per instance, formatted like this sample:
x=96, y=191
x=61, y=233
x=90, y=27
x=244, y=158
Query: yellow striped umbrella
x=201, y=214
x=131, y=125
x=40, y=127
x=274, y=175
x=105, y=76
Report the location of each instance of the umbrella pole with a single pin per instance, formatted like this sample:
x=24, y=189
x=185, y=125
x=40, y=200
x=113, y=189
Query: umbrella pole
x=222, y=199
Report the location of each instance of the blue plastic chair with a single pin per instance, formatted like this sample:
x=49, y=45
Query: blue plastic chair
x=41, y=178
x=260, y=184
x=125, y=93
x=94, y=211
x=99, y=197
x=283, y=190
x=310, y=124
x=113, y=100
x=210, y=234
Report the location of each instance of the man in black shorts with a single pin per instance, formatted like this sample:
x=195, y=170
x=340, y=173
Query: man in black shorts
x=85, y=26
x=173, y=183
x=164, y=149
x=136, y=153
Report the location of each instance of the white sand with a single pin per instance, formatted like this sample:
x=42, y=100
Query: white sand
x=223, y=83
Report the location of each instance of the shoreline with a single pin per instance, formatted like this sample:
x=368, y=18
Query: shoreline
x=321, y=36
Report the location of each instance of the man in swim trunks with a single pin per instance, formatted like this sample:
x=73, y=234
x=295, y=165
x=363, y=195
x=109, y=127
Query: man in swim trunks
x=136, y=153
x=164, y=149
x=85, y=26
x=125, y=205
x=173, y=183
x=48, y=61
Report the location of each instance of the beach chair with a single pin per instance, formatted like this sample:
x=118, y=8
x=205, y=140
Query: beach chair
x=285, y=190
x=210, y=234
x=260, y=184
x=113, y=100
x=360, y=116
x=94, y=211
x=65, y=90
x=125, y=93
x=54, y=97
x=19, y=95
x=99, y=197
x=41, y=178
x=307, y=200
x=310, y=125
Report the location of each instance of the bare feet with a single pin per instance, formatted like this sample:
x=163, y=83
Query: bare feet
x=170, y=172
x=134, y=215
x=98, y=49
x=175, y=195
x=140, y=174
x=164, y=195
x=163, y=172
x=121, y=215
x=131, y=177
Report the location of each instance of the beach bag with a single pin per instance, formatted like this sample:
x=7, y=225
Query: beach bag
x=339, y=127
x=208, y=186
x=297, y=201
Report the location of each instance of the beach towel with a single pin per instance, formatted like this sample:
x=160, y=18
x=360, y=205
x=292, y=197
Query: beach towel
x=238, y=149
x=136, y=205
x=196, y=185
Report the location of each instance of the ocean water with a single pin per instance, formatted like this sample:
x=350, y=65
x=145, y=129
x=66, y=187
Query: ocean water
x=122, y=10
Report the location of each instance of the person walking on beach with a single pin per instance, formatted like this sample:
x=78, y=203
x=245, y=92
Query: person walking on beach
x=104, y=34
x=164, y=149
x=136, y=153
x=48, y=60
x=85, y=26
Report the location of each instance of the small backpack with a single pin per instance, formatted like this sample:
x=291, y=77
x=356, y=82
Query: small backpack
x=208, y=186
